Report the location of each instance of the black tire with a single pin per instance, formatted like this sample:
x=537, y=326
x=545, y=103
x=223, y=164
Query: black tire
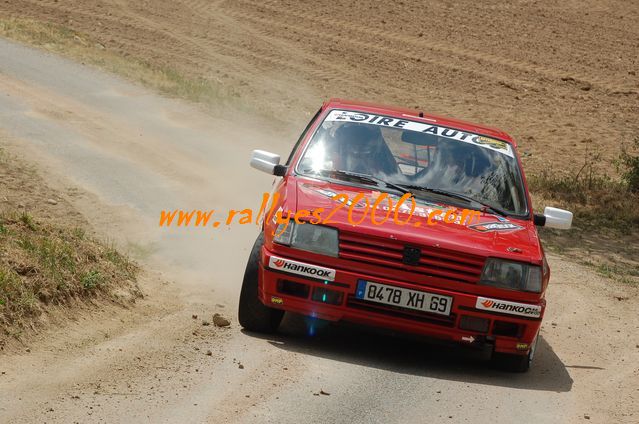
x=253, y=315
x=511, y=362
x=515, y=363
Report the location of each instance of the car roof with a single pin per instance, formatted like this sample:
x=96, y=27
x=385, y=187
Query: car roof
x=413, y=114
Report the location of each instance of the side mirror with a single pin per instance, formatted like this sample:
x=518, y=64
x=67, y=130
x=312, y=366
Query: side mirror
x=267, y=162
x=554, y=218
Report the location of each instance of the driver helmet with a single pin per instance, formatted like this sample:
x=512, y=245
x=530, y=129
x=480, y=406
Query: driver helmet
x=358, y=139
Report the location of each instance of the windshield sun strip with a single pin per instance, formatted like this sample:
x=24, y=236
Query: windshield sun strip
x=523, y=215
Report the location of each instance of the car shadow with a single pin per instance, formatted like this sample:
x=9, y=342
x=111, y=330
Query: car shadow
x=369, y=347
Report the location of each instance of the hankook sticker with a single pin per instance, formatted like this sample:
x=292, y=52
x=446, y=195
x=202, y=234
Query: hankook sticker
x=512, y=308
x=301, y=268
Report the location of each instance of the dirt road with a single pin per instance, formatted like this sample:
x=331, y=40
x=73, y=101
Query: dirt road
x=121, y=154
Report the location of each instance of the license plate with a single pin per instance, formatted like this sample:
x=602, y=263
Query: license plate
x=404, y=298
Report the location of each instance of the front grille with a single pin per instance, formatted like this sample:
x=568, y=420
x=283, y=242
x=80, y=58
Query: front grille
x=435, y=262
x=446, y=321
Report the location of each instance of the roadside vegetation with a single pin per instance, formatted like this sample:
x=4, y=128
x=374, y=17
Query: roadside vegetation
x=47, y=261
x=606, y=212
x=45, y=264
x=600, y=201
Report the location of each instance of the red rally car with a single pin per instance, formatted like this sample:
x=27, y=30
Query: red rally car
x=416, y=223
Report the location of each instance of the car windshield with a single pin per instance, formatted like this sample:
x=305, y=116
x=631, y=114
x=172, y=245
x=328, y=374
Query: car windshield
x=418, y=156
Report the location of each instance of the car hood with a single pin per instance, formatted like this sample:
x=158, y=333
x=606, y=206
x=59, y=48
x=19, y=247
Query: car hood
x=487, y=235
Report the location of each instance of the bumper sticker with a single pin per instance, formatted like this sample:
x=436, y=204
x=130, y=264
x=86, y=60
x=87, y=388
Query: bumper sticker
x=512, y=308
x=301, y=268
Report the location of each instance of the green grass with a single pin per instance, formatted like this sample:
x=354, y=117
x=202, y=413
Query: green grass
x=45, y=264
x=606, y=213
x=27, y=220
x=79, y=233
x=628, y=163
x=624, y=273
x=602, y=206
x=92, y=279
x=600, y=202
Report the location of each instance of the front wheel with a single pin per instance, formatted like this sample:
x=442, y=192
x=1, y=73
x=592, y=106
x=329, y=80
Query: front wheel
x=253, y=315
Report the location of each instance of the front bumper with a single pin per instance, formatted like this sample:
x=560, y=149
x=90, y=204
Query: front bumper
x=334, y=299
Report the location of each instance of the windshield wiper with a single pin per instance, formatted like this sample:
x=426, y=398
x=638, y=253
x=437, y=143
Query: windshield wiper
x=484, y=206
x=365, y=178
x=407, y=188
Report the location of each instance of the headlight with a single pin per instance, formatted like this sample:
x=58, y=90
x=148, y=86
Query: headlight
x=511, y=275
x=309, y=237
x=284, y=233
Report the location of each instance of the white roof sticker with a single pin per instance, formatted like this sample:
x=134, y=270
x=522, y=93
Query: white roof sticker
x=450, y=133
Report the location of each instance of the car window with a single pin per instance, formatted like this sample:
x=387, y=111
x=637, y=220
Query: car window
x=416, y=153
x=301, y=137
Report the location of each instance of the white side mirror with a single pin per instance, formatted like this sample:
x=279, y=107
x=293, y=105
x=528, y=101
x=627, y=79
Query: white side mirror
x=557, y=218
x=266, y=162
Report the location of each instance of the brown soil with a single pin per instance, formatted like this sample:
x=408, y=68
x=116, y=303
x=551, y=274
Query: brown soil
x=553, y=74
